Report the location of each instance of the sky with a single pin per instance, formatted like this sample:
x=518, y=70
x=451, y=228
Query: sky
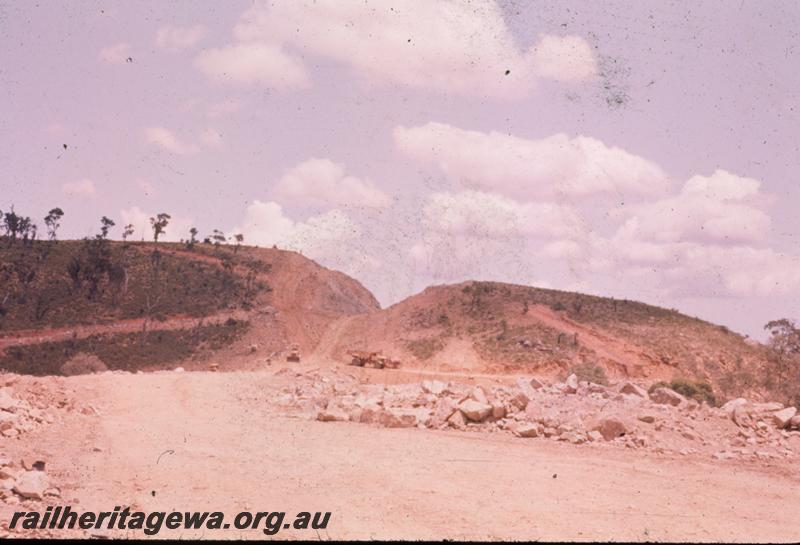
x=639, y=150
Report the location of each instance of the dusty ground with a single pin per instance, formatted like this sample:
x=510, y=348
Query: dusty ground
x=206, y=441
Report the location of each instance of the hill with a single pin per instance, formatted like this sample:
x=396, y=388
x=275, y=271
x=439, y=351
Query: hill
x=143, y=305
x=495, y=327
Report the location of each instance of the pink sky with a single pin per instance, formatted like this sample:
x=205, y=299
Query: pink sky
x=640, y=150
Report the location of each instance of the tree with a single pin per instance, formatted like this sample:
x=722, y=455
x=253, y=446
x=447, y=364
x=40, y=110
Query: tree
x=159, y=224
x=11, y=224
x=218, y=237
x=239, y=239
x=193, y=237
x=53, y=221
x=105, y=225
x=784, y=341
x=126, y=232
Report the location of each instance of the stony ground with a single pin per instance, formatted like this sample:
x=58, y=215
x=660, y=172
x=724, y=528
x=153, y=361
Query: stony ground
x=399, y=455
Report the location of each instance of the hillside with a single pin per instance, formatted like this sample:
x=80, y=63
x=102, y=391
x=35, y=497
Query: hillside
x=496, y=327
x=140, y=305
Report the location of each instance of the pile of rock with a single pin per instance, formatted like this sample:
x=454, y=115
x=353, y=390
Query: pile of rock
x=18, y=416
x=24, y=481
x=571, y=411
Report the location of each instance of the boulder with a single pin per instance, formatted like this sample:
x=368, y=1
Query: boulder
x=398, y=417
x=333, y=414
x=526, y=429
x=498, y=410
x=647, y=418
x=784, y=416
x=610, y=428
x=630, y=388
x=666, y=396
x=32, y=485
x=571, y=384
x=794, y=423
x=479, y=395
x=731, y=405
x=443, y=411
x=519, y=401
x=474, y=410
x=7, y=403
x=435, y=387
x=457, y=420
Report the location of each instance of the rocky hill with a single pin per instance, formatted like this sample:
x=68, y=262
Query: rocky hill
x=494, y=327
x=144, y=305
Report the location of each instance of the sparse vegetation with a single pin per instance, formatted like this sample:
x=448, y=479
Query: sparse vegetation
x=698, y=390
x=589, y=372
x=425, y=349
x=123, y=351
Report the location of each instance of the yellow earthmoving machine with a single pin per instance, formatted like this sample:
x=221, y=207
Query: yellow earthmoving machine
x=372, y=359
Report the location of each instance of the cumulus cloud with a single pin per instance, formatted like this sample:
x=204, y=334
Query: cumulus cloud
x=524, y=168
x=253, y=64
x=321, y=182
x=115, y=54
x=166, y=140
x=448, y=46
x=484, y=214
x=176, y=37
x=266, y=224
x=722, y=208
x=79, y=188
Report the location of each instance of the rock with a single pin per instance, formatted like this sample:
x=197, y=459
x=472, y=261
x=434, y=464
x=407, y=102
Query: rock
x=179, y=369
x=444, y=409
x=784, y=416
x=10, y=432
x=519, y=401
x=630, y=388
x=333, y=414
x=526, y=429
x=435, y=387
x=397, y=417
x=610, y=428
x=498, y=410
x=666, y=396
x=647, y=418
x=571, y=384
x=7, y=403
x=733, y=403
x=370, y=414
x=594, y=436
x=457, y=420
x=479, y=395
x=474, y=410
x=573, y=437
x=794, y=423
x=7, y=484
x=9, y=472
x=32, y=485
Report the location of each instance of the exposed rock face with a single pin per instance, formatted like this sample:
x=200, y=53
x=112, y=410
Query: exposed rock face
x=610, y=428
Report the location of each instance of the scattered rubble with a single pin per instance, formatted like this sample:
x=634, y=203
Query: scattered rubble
x=574, y=412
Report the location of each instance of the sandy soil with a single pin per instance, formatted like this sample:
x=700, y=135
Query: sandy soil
x=207, y=441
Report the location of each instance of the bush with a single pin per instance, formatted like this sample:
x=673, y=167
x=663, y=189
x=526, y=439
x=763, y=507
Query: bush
x=589, y=372
x=697, y=390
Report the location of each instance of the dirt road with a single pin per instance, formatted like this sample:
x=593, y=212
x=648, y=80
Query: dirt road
x=206, y=441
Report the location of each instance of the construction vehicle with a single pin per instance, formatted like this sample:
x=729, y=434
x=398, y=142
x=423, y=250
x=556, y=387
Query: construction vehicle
x=294, y=353
x=372, y=359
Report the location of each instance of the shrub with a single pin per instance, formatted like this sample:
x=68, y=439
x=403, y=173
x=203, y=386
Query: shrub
x=698, y=390
x=589, y=372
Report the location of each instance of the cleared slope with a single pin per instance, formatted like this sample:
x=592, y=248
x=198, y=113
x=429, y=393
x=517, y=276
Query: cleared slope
x=495, y=327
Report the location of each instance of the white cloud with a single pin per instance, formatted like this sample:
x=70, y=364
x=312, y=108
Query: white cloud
x=448, y=46
x=175, y=37
x=166, y=140
x=321, y=182
x=253, y=64
x=177, y=229
x=522, y=168
x=484, y=214
x=211, y=138
x=115, y=54
x=722, y=208
x=80, y=188
x=266, y=224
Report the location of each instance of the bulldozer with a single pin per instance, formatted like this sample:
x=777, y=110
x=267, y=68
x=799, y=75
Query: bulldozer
x=372, y=359
x=294, y=353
